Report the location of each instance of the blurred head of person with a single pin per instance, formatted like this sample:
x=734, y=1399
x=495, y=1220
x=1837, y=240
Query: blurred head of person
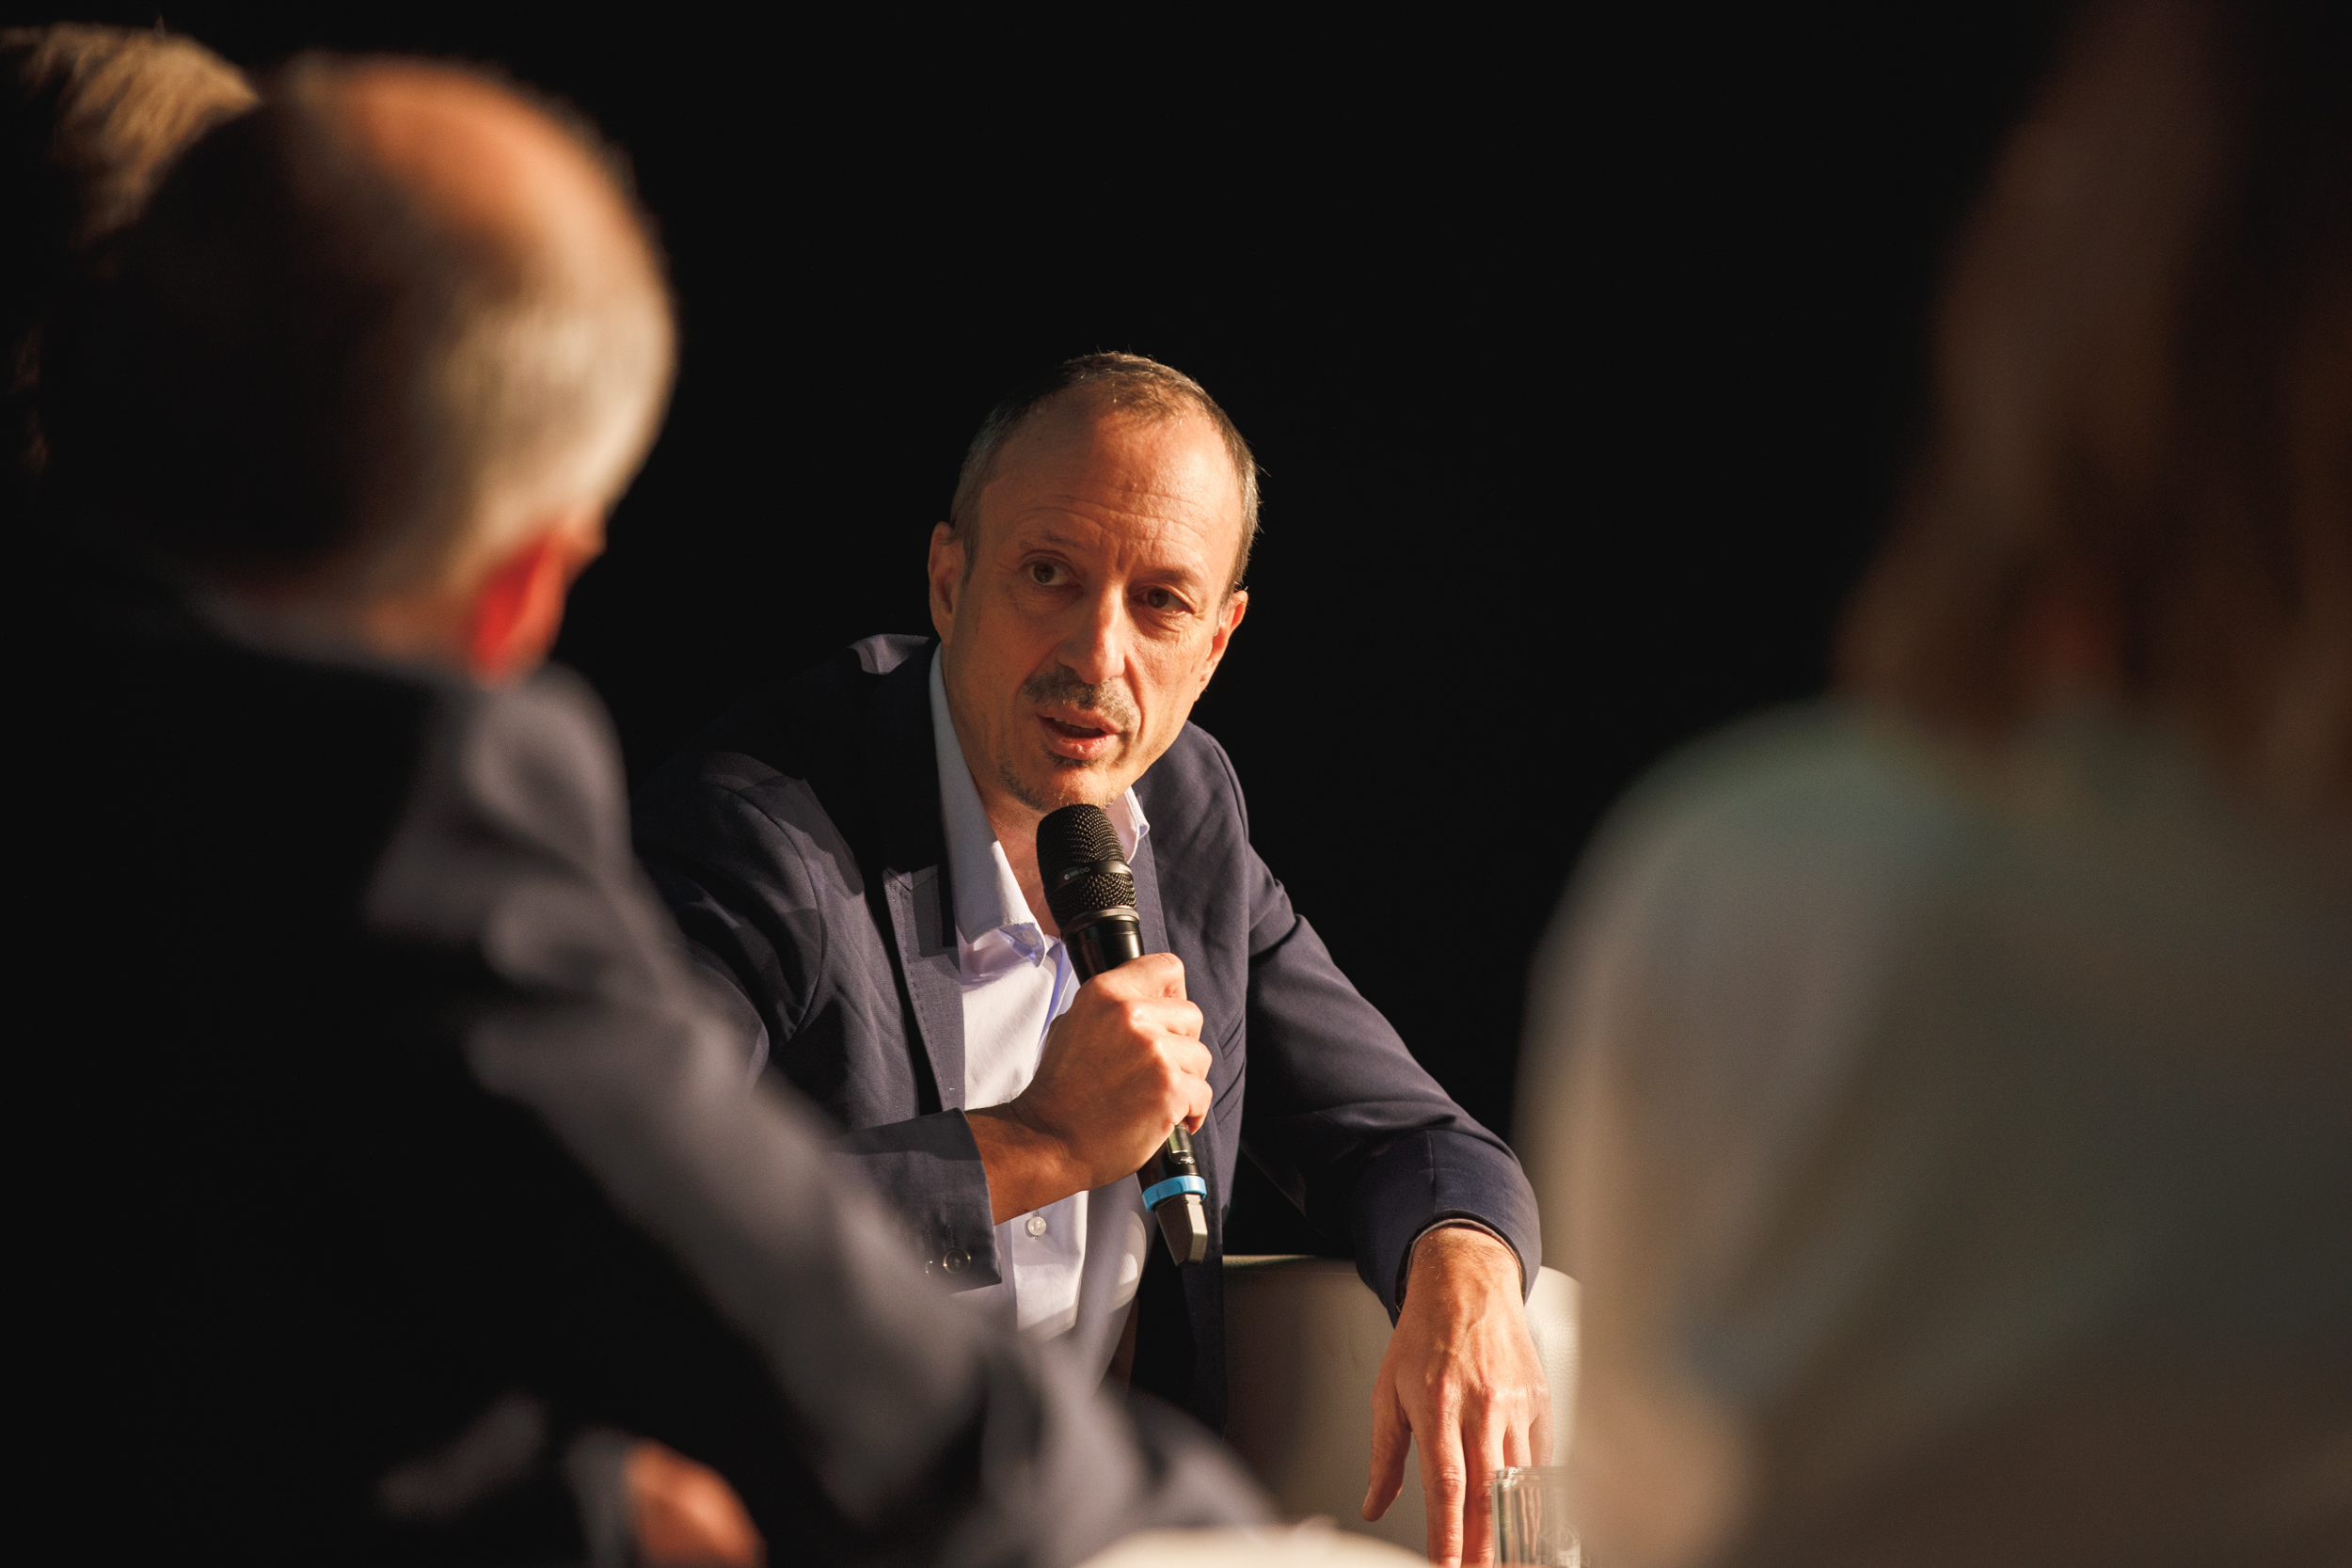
x=94, y=115
x=374, y=366
x=2140, y=488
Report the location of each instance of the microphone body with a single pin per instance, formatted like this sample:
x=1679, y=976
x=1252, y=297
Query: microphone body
x=1092, y=892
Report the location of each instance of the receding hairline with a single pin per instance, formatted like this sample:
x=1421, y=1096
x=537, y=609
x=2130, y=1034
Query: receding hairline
x=1095, y=388
x=481, y=156
x=546, y=207
x=1072, y=412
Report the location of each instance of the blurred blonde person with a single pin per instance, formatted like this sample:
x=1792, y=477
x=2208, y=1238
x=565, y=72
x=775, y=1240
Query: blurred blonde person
x=93, y=116
x=1943, y=1095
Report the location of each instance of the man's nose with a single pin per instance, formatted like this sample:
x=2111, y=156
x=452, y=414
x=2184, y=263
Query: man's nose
x=1095, y=646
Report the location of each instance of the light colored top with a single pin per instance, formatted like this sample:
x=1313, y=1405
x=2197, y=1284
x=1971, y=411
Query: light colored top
x=1954, y=1154
x=1074, y=1265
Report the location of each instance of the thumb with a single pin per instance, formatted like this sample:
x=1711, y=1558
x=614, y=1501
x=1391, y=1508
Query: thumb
x=1167, y=973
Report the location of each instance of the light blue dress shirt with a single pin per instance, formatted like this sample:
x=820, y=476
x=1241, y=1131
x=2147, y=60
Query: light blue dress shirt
x=1075, y=1263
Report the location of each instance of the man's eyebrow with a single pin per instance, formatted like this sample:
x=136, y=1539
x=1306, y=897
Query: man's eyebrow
x=1030, y=534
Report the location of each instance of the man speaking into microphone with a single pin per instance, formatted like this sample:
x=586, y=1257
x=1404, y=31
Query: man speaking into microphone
x=854, y=852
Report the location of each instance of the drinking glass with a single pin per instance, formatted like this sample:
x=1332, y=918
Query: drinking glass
x=1531, y=1517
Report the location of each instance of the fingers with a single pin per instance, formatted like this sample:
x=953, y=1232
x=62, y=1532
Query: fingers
x=1172, y=1031
x=682, y=1513
x=1488, y=1439
x=1155, y=974
x=1526, y=1444
x=1187, y=1055
x=1444, y=1484
x=1123, y=1066
x=1390, y=1437
x=1192, y=1060
x=1157, y=1015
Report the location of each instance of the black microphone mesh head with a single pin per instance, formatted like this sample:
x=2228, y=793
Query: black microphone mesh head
x=1081, y=839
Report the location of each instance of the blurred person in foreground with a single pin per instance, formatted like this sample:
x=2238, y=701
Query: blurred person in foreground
x=93, y=115
x=388, y=1154
x=90, y=118
x=1944, y=1095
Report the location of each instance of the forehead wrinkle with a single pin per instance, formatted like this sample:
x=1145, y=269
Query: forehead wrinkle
x=1134, y=479
x=1043, y=522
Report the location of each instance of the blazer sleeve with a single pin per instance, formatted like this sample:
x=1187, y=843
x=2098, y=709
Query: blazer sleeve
x=1344, y=1119
x=750, y=867
x=860, y=1414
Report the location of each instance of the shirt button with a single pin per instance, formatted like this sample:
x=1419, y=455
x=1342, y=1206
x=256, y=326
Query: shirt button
x=1037, y=1225
x=956, y=1260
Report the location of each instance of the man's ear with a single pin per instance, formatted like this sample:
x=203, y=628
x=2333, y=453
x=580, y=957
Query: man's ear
x=946, y=569
x=519, y=607
x=1228, y=619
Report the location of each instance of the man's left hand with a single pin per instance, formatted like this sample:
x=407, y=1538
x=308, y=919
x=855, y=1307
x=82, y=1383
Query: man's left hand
x=1461, y=1383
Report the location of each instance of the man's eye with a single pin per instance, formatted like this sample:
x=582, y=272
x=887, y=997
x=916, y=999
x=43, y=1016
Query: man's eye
x=1160, y=599
x=1045, y=574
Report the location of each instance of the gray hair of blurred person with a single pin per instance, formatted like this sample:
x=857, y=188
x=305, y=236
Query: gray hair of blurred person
x=2143, y=405
x=404, y=366
x=1124, y=384
x=94, y=116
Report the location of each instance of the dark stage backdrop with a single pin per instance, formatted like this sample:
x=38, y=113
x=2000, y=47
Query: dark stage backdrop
x=1582, y=356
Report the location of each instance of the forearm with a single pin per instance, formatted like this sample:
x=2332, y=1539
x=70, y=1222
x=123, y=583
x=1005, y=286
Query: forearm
x=1026, y=1167
x=1347, y=1122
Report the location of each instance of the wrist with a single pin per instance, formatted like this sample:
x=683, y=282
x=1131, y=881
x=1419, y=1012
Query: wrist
x=1027, y=1167
x=1460, y=1254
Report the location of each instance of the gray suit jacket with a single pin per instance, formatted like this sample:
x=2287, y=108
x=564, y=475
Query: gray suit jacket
x=800, y=844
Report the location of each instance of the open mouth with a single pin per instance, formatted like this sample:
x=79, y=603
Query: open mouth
x=1077, y=738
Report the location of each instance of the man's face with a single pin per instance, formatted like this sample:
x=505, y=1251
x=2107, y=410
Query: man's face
x=1094, y=610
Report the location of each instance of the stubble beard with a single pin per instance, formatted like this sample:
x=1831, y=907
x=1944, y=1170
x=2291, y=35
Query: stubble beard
x=1061, y=684
x=1035, y=799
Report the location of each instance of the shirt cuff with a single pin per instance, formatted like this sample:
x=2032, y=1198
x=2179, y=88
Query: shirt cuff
x=1404, y=1269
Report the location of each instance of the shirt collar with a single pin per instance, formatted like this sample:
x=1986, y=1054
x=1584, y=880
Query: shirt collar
x=988, y=898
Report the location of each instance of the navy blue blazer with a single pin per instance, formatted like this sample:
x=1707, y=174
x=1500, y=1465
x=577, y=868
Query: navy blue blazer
x=800, y=843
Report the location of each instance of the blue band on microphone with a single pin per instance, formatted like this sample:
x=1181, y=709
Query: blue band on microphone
x=1160, y=1192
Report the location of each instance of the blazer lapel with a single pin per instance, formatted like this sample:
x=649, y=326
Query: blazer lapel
x=1147, y=897
x=927, y=957
x=1155, y=940
x=1202, y=1390
x=901, y=769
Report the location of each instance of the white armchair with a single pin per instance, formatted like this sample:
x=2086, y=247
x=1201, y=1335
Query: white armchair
x=1303, y=1343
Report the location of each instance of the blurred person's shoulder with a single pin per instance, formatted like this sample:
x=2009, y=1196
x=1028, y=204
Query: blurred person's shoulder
x=2086, y=816
x=812, y=785
x=1810, y=795
x=177, y=728
x=537, y=755
x=813, y=725
x=1835, y=873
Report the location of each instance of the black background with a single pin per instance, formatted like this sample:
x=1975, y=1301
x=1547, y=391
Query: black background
x=1581, y=353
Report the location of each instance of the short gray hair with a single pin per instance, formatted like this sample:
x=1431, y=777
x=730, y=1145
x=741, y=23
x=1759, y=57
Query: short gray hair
x=303, y=371
x=1122, y=383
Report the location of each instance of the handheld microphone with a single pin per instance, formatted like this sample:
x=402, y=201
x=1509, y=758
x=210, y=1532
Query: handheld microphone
x=1091, y=892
